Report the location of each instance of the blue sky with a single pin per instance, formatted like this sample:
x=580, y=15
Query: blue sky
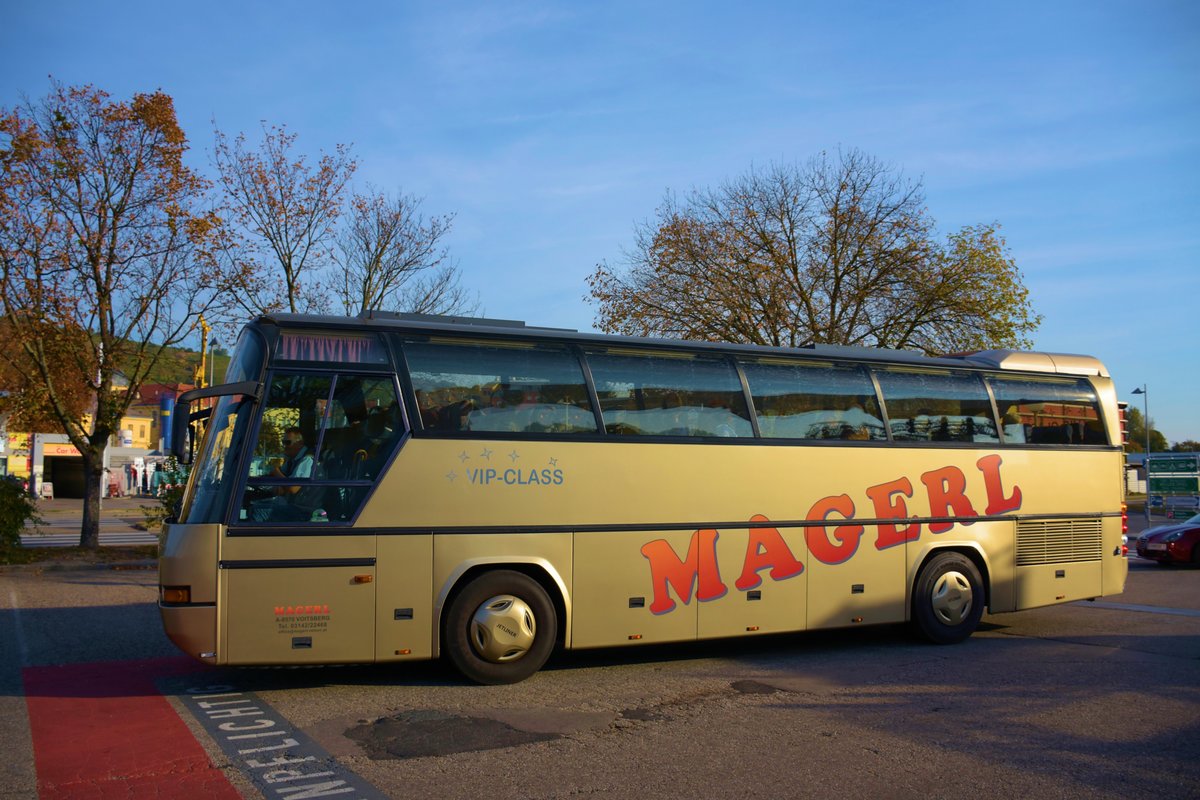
x=552, y=129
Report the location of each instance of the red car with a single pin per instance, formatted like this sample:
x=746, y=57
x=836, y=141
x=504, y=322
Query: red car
x=1172, y=544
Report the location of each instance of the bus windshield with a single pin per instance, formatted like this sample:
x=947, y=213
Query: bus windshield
x=248, y=357
x=216, y=467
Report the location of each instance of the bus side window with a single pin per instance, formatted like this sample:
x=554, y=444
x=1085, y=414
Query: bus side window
x=498, y=387
x=1051, y=411
x=648, y=394
x=809, y=401
x=935, y=406
x=364, y=428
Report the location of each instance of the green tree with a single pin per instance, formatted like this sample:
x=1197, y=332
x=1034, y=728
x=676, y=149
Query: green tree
x=1135, y=433
x=106, y=256
x=16, y=509
x=840, y=251
x=1186, y=446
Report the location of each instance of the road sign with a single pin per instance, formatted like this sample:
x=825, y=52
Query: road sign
x=1175, y=485
x=1182, y=464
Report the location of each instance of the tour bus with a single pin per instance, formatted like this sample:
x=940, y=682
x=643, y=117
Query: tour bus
x=397, y=487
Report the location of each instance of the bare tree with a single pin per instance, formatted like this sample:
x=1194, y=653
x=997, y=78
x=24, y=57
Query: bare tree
x=106, y=256
x=284, y=213
x=841, y=251
x=392, y=258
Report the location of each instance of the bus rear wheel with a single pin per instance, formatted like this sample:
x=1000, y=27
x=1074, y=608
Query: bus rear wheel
x=500, y=628
x=947, y=599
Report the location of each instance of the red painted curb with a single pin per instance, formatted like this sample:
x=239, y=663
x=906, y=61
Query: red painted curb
x=103, y=730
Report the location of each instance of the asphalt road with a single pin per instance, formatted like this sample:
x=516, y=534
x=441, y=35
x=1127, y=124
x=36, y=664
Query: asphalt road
x=1088, y=700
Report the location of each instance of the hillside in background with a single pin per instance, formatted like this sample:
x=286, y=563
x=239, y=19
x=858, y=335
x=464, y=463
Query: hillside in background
x=178, y=366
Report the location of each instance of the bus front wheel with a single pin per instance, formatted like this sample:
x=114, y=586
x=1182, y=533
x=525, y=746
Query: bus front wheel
x=500, y=628
x=948, y=599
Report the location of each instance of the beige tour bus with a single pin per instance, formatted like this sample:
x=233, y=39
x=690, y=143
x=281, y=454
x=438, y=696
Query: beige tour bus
x=397, y=487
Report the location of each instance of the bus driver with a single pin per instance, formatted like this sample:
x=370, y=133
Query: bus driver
x=297, y=464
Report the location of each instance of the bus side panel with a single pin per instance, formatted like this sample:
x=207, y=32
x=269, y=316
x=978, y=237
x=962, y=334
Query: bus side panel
x=1047, y=584
x=765, y=577
x=640, y=586
x=1067, y=559
x=294, y=600
x=859, y=584
x=404, y=598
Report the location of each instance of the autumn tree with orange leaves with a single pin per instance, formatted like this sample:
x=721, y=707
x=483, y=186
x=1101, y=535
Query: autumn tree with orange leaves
x=24, y=401
x=107, y=257
x=840, y=251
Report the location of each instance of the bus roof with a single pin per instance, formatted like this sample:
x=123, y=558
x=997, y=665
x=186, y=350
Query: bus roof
x=1015, y=360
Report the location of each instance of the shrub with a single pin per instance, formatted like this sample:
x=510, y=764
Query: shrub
x=170, y=495
x=17, y=508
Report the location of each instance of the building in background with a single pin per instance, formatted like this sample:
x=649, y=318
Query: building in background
x=54, y=466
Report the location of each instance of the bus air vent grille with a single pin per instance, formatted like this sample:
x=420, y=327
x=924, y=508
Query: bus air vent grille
x=1058, y=541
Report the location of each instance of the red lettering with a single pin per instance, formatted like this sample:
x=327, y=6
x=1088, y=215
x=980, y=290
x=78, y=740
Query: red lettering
x=848, y=536
x=997, y=502
x=947, y=489
x=279, y=611
x=766, y=548
x=699, y=568
x=881, y=496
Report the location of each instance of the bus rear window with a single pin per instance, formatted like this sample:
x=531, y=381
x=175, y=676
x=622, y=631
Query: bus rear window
x=494, y=388
x=1053, y=412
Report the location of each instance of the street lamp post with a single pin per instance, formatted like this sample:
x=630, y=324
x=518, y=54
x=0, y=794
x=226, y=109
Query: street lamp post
x=1142, y=390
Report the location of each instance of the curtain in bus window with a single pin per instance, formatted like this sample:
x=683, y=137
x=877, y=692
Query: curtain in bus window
x=814, y=401
x=325, y=347
x=497, y=388
x=937, y=406
x=1034, y=411
x=665, y=396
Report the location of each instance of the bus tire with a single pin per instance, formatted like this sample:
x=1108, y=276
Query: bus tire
x=500, y=628
x=948, y=599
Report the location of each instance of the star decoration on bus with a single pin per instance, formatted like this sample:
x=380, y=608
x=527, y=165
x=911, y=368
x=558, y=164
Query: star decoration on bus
x=514, y=455
x=463, y=457
x=450, y=476
x=486, y=455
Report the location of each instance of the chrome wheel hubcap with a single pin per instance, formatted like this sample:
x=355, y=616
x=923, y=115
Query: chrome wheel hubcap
x=952, y=598
x=503, y=629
